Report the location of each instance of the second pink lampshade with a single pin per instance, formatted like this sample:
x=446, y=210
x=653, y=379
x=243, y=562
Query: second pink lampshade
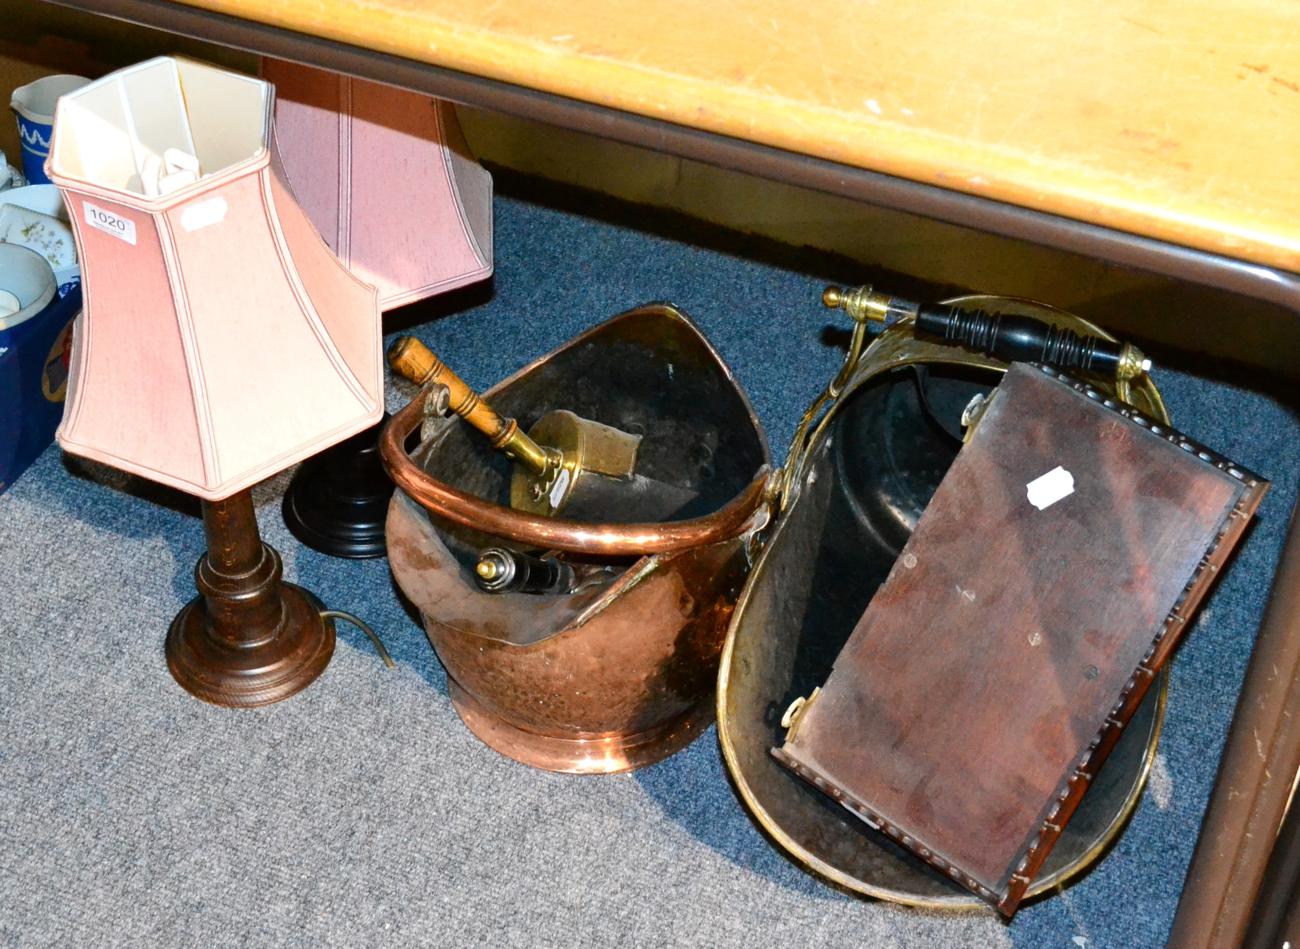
x=387, y=179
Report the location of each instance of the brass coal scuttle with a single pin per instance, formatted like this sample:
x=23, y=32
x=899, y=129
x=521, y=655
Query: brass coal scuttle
x=866, y=459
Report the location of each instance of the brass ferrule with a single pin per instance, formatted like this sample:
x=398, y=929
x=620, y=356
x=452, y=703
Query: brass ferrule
x=863, y=304
x=1132, y=363
x=519, y=447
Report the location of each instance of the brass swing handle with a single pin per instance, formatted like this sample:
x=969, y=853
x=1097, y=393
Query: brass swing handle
x=415, y=361
x=1005, y=336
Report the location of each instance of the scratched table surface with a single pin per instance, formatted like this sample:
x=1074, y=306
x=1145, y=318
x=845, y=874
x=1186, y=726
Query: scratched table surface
x=1173, y=119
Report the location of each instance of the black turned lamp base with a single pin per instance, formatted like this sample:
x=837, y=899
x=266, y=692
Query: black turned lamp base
x=337, y=503
x=249, y=638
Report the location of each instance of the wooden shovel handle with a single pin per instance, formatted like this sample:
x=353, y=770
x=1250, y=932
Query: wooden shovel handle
x=421, y=365
x=415, y=361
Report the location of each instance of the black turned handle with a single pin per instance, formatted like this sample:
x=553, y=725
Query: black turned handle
x=500, y=570
x=1021, y=339
x=1006, y=336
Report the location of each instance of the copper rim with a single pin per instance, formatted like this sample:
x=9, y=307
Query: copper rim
x=610, y=540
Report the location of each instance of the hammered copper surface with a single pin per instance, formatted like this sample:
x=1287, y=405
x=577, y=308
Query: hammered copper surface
x=619, y=673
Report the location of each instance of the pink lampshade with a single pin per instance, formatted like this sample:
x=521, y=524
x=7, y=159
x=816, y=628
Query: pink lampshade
x=387, y=179
x=221, y=340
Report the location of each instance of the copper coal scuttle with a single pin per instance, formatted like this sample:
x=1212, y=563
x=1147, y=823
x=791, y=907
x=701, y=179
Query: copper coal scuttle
x=617, y=669
x=688, y=563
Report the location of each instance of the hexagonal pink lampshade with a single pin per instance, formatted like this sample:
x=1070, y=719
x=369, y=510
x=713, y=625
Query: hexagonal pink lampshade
x=387, y=179
x=221, y=340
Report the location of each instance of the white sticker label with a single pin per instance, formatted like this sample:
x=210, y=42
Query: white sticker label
x=204, y=214
x=110, y=223
x=560, y=489
x=1046, y=490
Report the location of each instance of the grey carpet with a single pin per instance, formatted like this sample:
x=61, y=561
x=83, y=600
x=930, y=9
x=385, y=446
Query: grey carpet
x=361, y=812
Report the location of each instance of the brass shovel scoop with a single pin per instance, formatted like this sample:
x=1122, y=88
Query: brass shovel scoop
x=564, y=463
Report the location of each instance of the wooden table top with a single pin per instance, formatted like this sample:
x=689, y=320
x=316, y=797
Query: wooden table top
x=1173, y=119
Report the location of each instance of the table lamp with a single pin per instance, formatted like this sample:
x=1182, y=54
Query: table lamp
x=390, y=183
x=221, y=342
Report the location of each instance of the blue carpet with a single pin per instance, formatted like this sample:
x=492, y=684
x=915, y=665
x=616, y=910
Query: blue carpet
x=361, y=812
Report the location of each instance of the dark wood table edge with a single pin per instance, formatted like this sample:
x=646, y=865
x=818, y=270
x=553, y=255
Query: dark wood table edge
x=1262, y=754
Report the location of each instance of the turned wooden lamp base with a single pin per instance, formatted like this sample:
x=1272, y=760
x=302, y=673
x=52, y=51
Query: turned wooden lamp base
x=249, y=638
